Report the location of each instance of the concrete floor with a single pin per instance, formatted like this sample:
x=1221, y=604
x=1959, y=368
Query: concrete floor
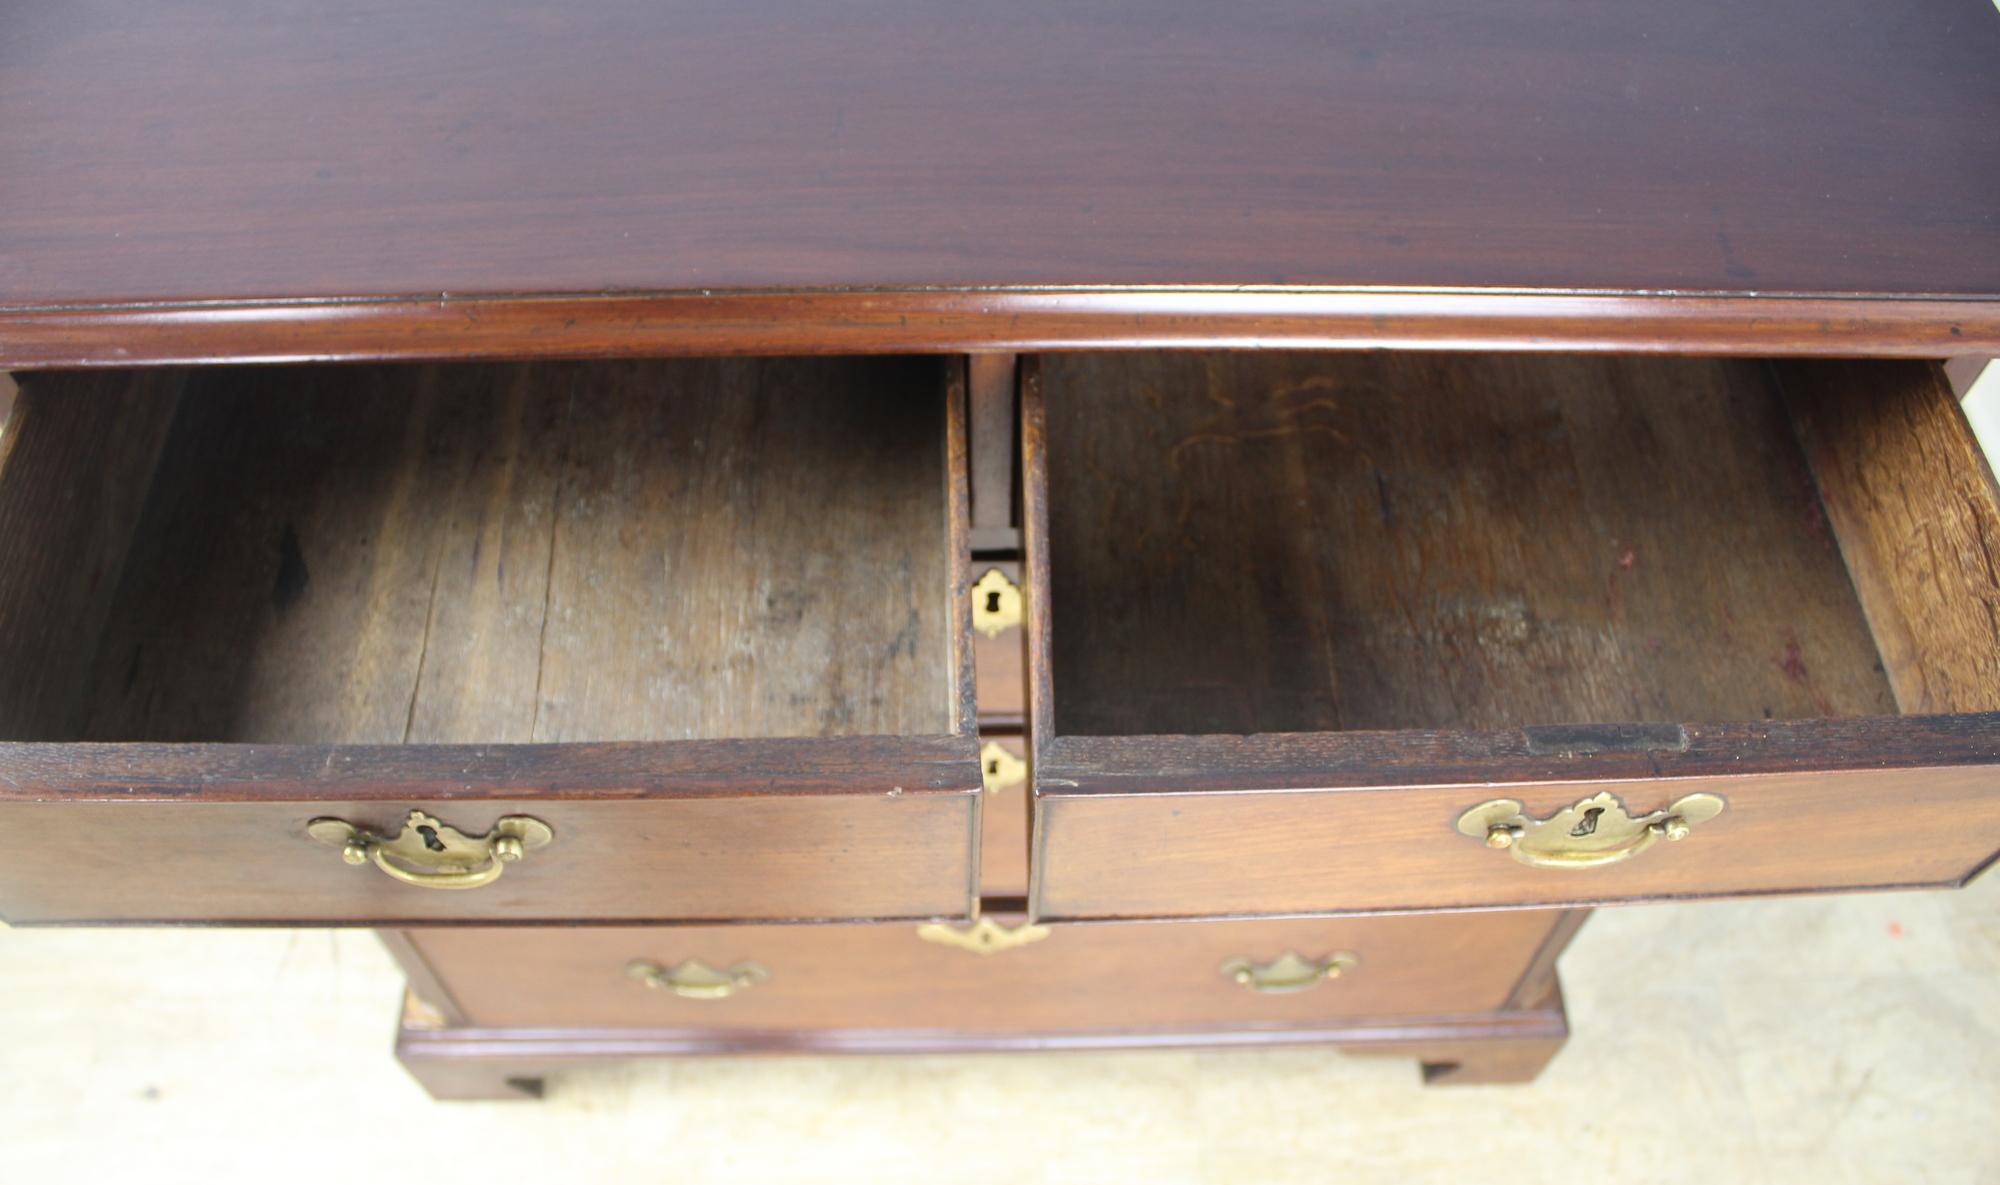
x=1850, y=1039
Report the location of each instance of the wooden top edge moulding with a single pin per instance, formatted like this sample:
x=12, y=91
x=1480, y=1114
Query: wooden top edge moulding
x=951, y=321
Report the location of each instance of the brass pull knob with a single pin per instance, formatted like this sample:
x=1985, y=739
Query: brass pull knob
x=1289, y=972
x=1596, y=831
x=696, y=980
x=434, y=855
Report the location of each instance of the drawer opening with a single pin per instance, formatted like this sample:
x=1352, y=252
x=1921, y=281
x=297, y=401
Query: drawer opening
x=1334, y=633
x=482, y=554
x=692, y=633
x=1282, y=543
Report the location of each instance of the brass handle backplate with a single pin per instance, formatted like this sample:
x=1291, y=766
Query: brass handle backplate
x=1596, y=831
x=433, y=855
x=696, y=980
x=1289, y=972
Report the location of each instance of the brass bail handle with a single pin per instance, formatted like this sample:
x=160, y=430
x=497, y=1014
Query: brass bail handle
x=1289, y=972
x=1594, y=832
x=434, y=855
x=693, y=979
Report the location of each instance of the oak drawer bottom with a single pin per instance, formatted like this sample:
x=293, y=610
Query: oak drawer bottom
x=1077, y=978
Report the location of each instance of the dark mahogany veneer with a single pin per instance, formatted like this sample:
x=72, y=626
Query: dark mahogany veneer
x=291, y=178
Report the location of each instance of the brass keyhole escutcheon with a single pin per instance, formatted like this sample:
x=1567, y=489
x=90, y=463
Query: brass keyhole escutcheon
x=983, y=937
x=999, y=769
x=435, y=855
x=996, y=603
x=1594, y=831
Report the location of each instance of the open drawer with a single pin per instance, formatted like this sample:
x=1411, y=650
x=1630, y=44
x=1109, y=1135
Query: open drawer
x=1322, y=633
x=659, y=641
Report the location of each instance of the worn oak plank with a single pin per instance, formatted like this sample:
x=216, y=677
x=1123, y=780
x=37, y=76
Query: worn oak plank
x=77, y=455
x=554, y=553
x=1246, y=543
x=1911, y=496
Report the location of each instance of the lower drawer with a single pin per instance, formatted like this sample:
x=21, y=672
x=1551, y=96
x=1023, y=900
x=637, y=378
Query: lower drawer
x=887, y=976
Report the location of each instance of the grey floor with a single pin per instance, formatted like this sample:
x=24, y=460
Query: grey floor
x=1851, y=1039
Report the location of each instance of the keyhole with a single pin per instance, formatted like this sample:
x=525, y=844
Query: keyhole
x=1588, y=825
x=993, y=602
x=993, y=767
x=430, y=835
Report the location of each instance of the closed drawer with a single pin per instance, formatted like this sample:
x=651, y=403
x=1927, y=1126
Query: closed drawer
x=1103, y=977
x=1326, y=633
x=701, y=622
x=998, y=647
x=1005, y=821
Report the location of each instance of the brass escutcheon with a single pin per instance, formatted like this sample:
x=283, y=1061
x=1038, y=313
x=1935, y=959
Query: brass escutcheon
x=999, y=769
x=983, y=937
x=434, y=855
x=996, y=603
x=1595, y=831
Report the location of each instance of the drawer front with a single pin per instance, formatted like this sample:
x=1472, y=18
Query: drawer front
x=999, y=645
x=1082, y=977
x=1004, y=826
x=771, y=829
x=1184, y=827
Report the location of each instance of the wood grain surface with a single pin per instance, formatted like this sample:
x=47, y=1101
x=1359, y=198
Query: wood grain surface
x=472, y=1062
x=1004, y=829
x=77, y=457
x=954, y=607
x=1080, y=977
x=1910, y=494
x=1339, y=822
x=949, y=320
x=562, y=553
x=883, y=846
x=993, y=404
x=1244, y=543
x=1001, y=661
x=286, y=151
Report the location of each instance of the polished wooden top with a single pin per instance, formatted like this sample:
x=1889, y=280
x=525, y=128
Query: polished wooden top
x=304, y=150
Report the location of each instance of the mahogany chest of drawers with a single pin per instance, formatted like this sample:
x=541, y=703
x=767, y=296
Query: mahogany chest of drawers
x=927, y=527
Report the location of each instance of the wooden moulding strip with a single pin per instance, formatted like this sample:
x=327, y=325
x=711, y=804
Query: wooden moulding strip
x=950, y=320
